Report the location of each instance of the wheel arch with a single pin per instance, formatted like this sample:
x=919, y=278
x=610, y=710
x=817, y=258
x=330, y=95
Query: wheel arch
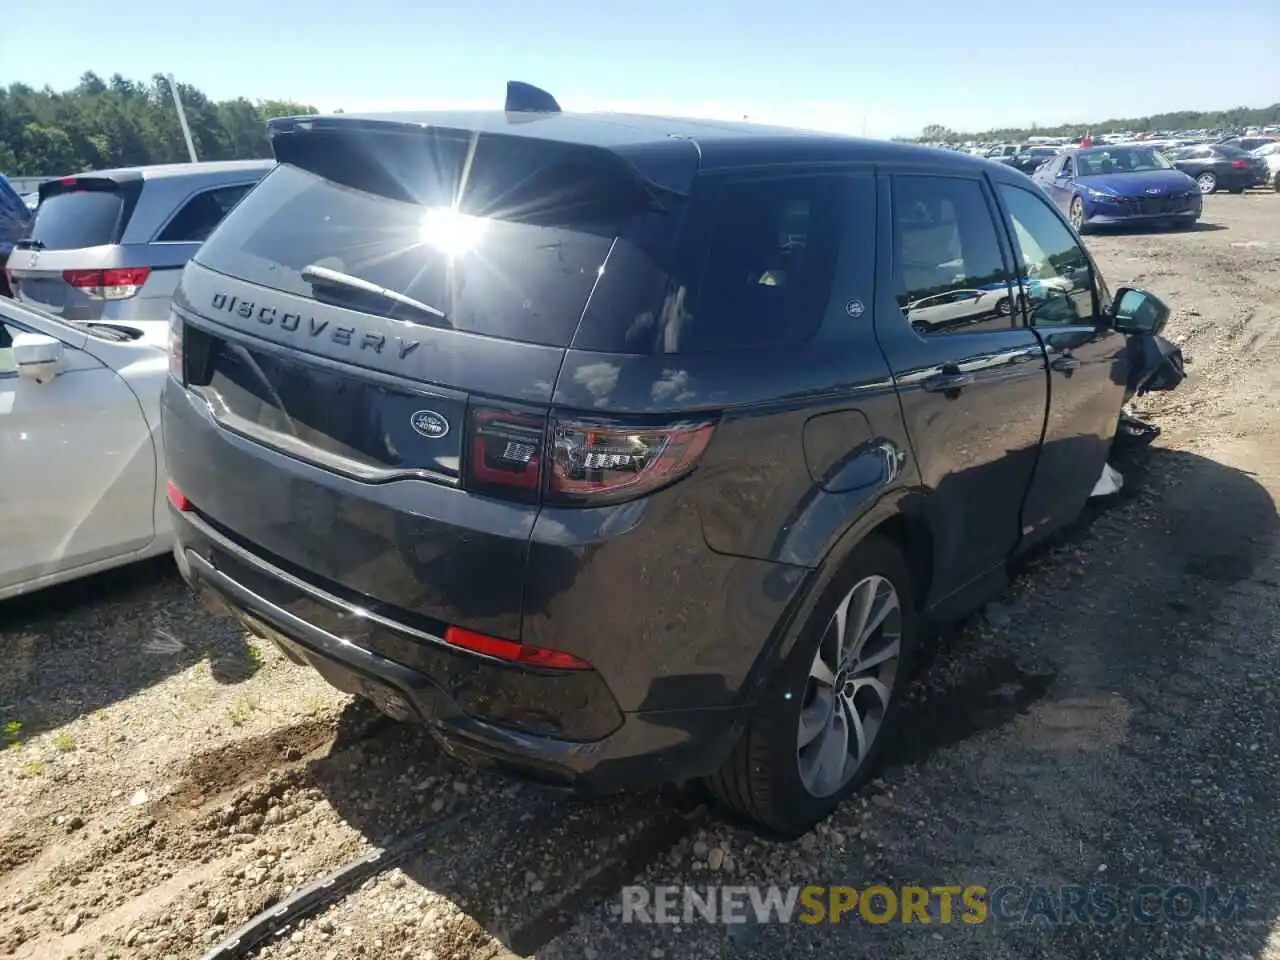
x=901, y=516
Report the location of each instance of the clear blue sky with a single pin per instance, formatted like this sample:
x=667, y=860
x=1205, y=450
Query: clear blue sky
x=891, y=66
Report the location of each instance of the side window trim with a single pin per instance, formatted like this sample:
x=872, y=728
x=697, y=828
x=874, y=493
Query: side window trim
x=188, y=200
x=892, y=177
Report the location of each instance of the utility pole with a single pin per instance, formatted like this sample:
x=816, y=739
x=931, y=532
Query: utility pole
x=182, y=119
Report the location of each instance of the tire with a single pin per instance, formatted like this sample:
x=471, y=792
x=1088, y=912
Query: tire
x=1275, y=183
x=1003, y=307
x=1075, y=213
x=1235, y=190
x=1207, y=181
x=762, y=778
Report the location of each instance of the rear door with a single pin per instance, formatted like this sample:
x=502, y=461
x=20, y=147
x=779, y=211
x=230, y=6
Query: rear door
x=1066, y=306
x=57, y=265
x=974, y=392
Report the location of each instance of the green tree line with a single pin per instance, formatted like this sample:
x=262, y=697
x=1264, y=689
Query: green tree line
x=1232, y=120
x=121, y=123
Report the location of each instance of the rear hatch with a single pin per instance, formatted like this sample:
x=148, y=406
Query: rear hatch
x=68, y=262
x=393, y=304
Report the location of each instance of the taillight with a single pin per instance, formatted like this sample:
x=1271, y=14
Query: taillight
x=523, y=654
x=177, y=497
x=117, y=283
x=578, y=461
x=592, y=461
x=1239, y=164
x=175, y=348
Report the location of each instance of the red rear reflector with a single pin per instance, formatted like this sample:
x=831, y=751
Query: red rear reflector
x=518, y=653
x=177, y=497
x=1239, y=163
x=118, y=283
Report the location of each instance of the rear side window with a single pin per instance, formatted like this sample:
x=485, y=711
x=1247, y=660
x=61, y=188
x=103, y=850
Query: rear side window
x=505, y=242
x=199, y=215
x=68, y=219
x=947, y=262
x=752, y=266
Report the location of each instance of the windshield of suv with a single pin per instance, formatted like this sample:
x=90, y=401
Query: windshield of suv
x=1094, y=163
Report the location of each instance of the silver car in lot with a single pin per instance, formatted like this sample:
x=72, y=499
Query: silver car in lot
x=109, y=246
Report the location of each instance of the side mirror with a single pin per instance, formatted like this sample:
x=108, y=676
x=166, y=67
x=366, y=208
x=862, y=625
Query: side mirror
x=1135, y=311
x=37, y=356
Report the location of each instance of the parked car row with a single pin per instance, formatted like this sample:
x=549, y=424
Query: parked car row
x=586, y=445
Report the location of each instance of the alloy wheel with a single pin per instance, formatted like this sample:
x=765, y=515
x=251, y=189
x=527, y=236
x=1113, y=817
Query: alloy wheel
x=851, y=681
x=1077, y=213
x=1207, y=182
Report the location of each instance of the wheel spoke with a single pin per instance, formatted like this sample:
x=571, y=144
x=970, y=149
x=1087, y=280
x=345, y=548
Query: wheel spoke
x=815, y=717
x=833, y=754
x=860, y=734
x=842, y=624
x=865, y=593
x=881, y=690
x=822, y=673
x=877, y=610
x=885, y=653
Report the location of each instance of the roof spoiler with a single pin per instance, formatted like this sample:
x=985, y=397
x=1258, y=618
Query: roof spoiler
x=526, y=98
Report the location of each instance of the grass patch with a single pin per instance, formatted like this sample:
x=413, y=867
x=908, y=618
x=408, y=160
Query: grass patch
x=63, y=741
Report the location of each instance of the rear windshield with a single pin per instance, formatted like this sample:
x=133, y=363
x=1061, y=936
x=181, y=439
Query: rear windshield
x=505, y=241
x=541, y=240
x=1229, y=150
x=69, y=219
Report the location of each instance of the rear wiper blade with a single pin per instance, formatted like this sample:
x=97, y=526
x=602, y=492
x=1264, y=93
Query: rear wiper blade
x=27, y=243
x=319, y=276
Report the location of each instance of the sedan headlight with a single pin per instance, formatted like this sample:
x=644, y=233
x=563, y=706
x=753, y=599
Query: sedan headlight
x=1099, y=195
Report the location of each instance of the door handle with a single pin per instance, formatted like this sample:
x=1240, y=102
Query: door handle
x=1065, y=364
x=947, y=382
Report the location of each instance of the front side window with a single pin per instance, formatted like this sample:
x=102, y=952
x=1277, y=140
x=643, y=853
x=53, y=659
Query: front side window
x=947, y=264
x=199, y=215
x=1057, y=278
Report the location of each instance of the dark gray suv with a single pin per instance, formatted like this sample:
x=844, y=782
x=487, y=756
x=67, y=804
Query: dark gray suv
x=622, y=450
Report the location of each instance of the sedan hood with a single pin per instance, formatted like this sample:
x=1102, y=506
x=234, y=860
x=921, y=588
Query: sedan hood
x=1141, y=184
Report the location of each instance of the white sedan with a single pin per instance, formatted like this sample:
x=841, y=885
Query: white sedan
x=82, y=474
x=1271, y=154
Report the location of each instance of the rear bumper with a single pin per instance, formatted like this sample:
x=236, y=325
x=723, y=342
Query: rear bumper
x=446, y=686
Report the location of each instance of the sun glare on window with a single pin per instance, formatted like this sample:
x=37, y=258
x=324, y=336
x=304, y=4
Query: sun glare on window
x=450, y=232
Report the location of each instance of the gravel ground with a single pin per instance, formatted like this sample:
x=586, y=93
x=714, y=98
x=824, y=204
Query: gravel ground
x=1112, y=721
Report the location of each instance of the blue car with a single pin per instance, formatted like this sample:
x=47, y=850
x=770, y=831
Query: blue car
x=14, y=215
x=1118, y=185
